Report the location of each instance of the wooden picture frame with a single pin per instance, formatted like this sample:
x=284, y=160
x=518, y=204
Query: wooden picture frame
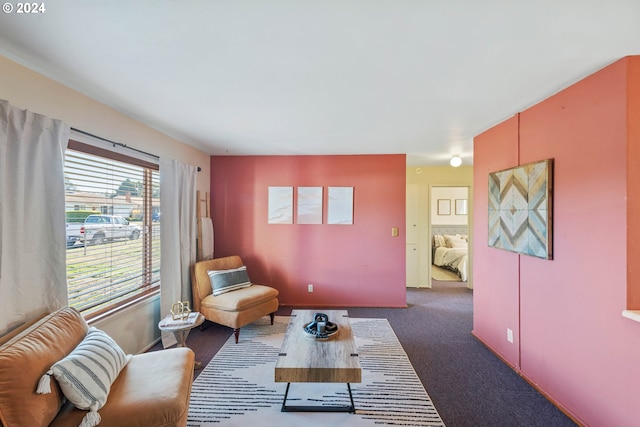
x=444, y=207
x=462, y=207
x=521, y=209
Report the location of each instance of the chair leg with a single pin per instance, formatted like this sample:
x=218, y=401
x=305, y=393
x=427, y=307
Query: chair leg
x=236, y=332
x=272, y=315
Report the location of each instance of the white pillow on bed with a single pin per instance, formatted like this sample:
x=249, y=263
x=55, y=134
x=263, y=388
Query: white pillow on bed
x=438, y=241
x=454, y=242
x=457, y=244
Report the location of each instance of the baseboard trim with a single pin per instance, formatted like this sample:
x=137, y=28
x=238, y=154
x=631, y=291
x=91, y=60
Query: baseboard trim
x=150, y=346
x=336, y=306
x=540, y=390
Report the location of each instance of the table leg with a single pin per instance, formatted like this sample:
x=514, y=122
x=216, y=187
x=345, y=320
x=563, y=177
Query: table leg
x=284, y=402
x=306, y=408
x=181, y=338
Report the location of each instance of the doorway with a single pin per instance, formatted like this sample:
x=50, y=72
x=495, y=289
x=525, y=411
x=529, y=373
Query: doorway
x=449, y=260
x=419, y=248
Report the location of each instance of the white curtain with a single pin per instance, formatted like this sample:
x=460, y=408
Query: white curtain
x=33, y=277
x=177, y=234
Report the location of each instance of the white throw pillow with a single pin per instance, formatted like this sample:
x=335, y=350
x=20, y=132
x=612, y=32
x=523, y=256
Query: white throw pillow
x=86, y=374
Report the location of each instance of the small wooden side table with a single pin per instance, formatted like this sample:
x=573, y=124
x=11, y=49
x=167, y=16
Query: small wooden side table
x=181, y=332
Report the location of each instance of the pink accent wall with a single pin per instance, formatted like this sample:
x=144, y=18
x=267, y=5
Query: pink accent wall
x=572, y=341
x=633, y=185
x=349, y=265
x=492, y=316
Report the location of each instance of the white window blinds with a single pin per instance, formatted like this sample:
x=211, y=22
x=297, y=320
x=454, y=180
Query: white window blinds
x=113, y=228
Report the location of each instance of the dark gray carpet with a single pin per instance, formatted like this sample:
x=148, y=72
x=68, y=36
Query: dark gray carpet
x=468, y=384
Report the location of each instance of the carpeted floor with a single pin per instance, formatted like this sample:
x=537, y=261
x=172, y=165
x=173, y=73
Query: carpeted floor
x=467, y=383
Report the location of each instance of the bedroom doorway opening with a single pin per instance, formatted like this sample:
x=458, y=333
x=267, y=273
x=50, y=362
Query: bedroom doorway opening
x=449, y=235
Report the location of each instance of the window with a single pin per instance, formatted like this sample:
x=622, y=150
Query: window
x=113, y=242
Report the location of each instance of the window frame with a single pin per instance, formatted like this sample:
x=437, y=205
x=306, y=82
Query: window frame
x=148, y=287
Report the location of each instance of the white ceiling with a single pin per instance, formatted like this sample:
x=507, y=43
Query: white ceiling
x=271, y=77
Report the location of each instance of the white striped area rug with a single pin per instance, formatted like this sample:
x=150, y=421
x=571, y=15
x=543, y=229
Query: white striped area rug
x=237, y=387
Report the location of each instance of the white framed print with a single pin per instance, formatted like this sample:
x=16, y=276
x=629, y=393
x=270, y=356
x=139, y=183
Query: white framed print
x=280, y=205
x=309, y=205
x=340, y=205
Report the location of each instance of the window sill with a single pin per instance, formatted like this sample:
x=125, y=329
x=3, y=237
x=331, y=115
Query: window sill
x=97, y=317
x=632, y=314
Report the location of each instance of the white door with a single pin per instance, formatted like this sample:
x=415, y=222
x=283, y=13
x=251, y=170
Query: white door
x=412, y=265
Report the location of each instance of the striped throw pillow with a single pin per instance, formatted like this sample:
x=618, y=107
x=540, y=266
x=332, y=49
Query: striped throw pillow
x=86, y=374
x=228, y=280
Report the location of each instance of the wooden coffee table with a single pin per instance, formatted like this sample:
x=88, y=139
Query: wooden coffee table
x=305, y=359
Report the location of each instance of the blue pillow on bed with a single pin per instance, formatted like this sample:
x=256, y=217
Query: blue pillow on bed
x=228, y=280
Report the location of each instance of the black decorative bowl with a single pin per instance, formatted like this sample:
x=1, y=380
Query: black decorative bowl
x=320, y=328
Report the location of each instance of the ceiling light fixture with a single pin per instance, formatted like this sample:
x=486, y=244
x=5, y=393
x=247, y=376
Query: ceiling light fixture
x=455, y=161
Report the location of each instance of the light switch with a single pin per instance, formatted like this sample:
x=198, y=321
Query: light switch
x=394, y=231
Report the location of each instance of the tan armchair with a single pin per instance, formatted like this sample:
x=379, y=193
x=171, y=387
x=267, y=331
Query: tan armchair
x=234, y=309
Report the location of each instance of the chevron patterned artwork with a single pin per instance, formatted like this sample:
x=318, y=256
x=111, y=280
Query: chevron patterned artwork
x=520, y=202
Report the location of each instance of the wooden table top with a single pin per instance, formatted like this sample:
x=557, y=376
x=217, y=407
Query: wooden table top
x=305, y=359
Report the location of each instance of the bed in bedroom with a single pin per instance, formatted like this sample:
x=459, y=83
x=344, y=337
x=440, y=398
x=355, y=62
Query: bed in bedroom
x=451, y=251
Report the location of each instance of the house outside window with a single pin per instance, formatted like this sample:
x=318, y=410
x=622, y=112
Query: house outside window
x=113, y=243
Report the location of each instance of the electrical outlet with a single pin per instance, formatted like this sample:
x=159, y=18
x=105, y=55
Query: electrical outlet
x=510, y=335
x=310, y=287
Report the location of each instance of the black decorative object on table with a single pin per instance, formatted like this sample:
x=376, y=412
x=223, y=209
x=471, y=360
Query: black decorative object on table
x=321, y=328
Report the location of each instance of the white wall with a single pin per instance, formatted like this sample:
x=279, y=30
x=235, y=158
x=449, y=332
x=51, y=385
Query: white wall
x=135, y=328
x=448, y=195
